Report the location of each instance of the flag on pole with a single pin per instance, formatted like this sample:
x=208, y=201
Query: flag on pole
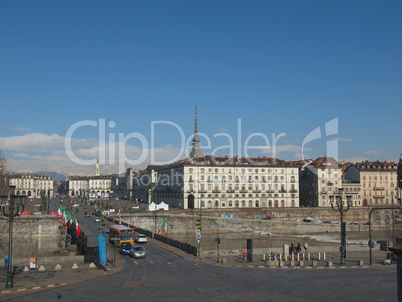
x=159, y=226
x=67, y=218
x=77, y=227
x=60, y=211
x=165, y=225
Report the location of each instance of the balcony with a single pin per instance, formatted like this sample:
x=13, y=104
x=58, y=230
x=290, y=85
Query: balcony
x=216, y=191
x=230, y=191
x=243, y=191
x=282, y=191
x=330, y=183
x=270, y=191
x=323, y=192
x=257, y=191
x=378, y=188
x=292, y=191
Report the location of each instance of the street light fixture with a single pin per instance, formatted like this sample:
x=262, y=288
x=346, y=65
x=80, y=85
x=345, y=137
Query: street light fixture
x=337, y=204
x=15, y=208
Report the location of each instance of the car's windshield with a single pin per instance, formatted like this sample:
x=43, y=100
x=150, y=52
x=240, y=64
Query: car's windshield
x=138, y=249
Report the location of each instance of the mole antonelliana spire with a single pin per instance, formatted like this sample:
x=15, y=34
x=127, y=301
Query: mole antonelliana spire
x=196, y=150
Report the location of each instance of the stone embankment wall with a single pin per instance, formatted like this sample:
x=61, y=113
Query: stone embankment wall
x=283, y=221
x=32, y=226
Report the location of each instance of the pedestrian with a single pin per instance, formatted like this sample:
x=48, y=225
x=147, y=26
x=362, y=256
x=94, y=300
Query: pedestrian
x=291, y=248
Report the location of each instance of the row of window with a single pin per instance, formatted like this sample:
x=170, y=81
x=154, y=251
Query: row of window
x=391, y=185
x=251, y=204
x=243, y=178
x=378, y=193
x=222, y=170
x=379, y=177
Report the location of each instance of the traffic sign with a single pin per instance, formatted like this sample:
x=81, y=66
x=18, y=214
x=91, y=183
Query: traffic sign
x=198, y=236
x=198, y=232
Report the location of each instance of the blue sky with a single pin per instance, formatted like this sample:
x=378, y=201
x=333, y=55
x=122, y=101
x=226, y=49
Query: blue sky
x=279, y=66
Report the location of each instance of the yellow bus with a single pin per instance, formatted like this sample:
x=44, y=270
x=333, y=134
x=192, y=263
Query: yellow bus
x=121, y=233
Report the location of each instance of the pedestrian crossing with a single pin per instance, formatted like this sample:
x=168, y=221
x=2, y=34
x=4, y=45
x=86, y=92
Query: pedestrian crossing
x=146, y=261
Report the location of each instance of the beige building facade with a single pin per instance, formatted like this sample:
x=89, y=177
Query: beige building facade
x=222, y=182
x=378, y=180
x=32, y=185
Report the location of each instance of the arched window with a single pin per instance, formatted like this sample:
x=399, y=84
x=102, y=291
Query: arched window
x=282, y=203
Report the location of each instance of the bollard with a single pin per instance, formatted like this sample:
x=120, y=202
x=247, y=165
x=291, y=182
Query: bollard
x=298, y=257
x=293, y=257
x=323, y=256
x=308, y=256
x=319, y=256
x=263, y=257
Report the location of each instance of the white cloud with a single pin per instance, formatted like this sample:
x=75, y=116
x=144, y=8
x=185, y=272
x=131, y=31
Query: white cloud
x=373, y=152
x=43, y=152
x=32, y=142
x=283, y=148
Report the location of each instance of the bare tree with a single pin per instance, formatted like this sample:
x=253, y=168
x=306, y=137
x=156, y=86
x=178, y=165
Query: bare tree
x=3, y=163
x=3, y=176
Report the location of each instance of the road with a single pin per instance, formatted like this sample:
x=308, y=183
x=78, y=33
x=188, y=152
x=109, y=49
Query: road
x=164, y=276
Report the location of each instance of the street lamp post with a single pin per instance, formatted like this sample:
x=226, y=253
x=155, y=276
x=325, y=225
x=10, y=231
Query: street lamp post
x=155, y=215
x=12, y=212
x=339, y=207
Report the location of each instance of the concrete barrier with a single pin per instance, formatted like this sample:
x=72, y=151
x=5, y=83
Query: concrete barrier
x=329, y=263
x=50, y=260
x=315, y=263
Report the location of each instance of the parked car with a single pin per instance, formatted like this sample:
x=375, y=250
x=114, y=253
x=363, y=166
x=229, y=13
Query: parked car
x=97, y=219
x=137, y=252
x=125, y=248
x=140, y=238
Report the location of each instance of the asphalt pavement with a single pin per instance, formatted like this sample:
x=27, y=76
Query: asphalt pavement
x=72, y=273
